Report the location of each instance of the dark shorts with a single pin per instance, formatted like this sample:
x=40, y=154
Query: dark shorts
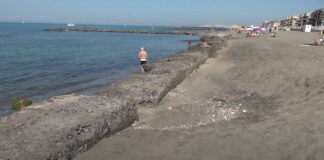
x=143, y=62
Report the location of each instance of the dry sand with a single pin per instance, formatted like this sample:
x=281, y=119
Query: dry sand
x=261, y=98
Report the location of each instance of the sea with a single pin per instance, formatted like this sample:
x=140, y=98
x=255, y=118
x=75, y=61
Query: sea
x=38, y=65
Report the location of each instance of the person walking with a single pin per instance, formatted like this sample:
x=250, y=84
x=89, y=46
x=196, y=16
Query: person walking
x=142, y=55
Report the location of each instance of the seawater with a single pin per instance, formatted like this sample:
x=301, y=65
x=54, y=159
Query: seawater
x=37, y=64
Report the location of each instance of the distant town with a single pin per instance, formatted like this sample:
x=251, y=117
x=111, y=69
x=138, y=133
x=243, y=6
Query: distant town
x=315, y=19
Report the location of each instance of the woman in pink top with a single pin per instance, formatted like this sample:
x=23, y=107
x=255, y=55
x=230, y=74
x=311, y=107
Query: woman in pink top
x=142, y=55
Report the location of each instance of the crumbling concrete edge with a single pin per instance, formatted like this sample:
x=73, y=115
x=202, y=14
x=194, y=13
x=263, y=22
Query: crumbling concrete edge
x=103, y=126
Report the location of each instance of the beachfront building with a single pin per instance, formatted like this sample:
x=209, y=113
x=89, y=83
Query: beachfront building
x=294, y=22
x=289, y=23
x=284, y=22
x=306, y=19
x=315, y=19
x=275, y=24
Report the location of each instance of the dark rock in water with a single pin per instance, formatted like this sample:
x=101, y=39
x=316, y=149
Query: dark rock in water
x=148, y=67
x=20, y=103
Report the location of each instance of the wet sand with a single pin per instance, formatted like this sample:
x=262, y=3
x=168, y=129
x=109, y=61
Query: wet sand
x=260, y=98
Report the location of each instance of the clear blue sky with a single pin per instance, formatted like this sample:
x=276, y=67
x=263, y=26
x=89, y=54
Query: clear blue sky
x=153, y=12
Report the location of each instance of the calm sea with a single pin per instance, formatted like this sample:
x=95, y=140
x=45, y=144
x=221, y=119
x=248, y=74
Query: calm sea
x=37, y=64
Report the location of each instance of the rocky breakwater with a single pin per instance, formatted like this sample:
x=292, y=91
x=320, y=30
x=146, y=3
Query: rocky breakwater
x=162, y=76
x=64, y=126
x=121, y=31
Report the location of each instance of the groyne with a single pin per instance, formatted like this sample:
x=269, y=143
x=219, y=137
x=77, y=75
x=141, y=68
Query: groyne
x=122, y=31
x=67, y=125
x=196, y=28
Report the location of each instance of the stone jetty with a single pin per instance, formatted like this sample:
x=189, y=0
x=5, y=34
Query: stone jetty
x=64, y=126
x=122, y=31
x=197, y=28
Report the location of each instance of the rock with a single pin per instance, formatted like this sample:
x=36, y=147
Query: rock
x=20, y=103
x=148, y=67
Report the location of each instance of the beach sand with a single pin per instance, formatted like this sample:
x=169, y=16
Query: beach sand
x=260, y=98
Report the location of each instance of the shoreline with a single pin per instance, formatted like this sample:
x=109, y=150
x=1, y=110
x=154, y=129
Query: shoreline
x=83, y=88
x=78, y=122
x=38, y=94
x=260, y=98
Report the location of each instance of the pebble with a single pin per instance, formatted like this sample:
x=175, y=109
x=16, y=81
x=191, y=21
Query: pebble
x=170, y=108
x=134, y=124
x=244, y=111
x=19, y=124
x=59, y=144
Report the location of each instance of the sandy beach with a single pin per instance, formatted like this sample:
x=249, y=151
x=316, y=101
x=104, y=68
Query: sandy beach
x=260, y=98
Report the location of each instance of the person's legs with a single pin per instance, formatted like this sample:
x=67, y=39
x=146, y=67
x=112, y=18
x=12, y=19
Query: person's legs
x=142, y=69
x=142, y=63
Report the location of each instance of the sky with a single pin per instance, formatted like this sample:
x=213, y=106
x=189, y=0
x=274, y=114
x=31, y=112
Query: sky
x=153, y=12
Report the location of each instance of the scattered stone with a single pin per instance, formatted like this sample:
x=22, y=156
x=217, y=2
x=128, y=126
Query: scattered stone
x=148, y=67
